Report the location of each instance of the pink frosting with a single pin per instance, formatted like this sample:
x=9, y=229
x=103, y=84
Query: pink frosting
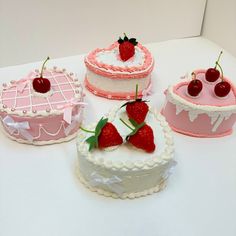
x=114, y=95
x=61, y=106
x=207, y=95
x=63, y=90
x=202, y=126
x=118, y=72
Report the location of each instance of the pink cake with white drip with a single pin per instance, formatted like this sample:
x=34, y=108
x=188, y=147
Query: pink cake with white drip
x=209, y=112
x=113, y=72
x=50, y=115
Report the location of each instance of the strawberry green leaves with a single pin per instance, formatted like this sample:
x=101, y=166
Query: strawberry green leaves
x=93, y=140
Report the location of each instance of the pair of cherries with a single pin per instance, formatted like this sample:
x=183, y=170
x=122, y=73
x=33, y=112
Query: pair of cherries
x=221, y=89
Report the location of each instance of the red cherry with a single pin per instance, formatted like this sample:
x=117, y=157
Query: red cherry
x=41, y=85
x=194, y=87
x=212, y=74
x=222, y=89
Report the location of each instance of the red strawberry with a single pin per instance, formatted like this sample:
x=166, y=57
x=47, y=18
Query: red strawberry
x=141, y=136
x=109, y=136
x=126, y=47
x=105, y=135
x=137, y=110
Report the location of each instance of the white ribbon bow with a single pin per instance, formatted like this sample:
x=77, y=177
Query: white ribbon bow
x=74, y=121
x=111, y=183
x=148, y=91
x=21, y=127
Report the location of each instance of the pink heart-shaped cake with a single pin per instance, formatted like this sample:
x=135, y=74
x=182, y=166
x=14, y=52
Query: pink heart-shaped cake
x=111, y=77
x=42, y=118
x=205, y=115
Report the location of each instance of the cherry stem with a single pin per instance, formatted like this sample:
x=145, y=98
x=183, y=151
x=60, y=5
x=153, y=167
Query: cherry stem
x=221, y=70
x=136, y=92
x=217, y=62
x=41, y=73
x=193, y=76
x=126, y=124
x=88, y=131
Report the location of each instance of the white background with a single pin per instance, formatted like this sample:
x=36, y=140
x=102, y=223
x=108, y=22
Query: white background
x=30, y=30
x=40, y=194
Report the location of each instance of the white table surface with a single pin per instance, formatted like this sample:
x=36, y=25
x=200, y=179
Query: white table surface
x=40, y=194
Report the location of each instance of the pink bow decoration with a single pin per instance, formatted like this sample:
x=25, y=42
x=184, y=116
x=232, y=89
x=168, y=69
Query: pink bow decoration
x=21, y=86
x=20, y=127
x=74, y=121
x=68, y=109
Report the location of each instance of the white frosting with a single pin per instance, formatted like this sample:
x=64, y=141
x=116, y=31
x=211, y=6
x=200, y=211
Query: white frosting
x=117, y=85
x=138, y=171
x=217, y=114
x=111, y=58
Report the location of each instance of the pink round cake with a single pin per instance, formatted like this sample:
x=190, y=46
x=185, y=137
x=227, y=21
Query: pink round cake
x=206, y=115
x=37, y=118
x=111, y=77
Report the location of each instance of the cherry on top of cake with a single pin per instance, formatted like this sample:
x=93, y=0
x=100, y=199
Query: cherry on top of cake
x=41, y=84
x=50, y=89
x=208, y=87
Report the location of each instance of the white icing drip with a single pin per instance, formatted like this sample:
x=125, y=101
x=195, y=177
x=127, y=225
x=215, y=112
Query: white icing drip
x=214, y=118
x=217, y=123
x=216, y=113
x=192, y=115
x=178, y=109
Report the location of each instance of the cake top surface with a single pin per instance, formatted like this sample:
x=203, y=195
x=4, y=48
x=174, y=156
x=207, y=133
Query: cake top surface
x=125, y=154
x=107, y=61
x=207, y=95
x=20, y=97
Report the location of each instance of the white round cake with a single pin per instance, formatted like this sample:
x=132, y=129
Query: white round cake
x=127, y=172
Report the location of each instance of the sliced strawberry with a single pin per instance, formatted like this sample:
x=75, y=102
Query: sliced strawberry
x=126, y=47
x=105, y=135
x=141, y=136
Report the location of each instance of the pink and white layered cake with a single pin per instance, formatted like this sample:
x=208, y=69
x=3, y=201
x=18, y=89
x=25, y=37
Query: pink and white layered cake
x=113, y=76
x=37, y=118
x=205, y=115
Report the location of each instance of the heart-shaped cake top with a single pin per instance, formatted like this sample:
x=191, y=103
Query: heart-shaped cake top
x=207, y=96
x=19, y=97
x=107, y=62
